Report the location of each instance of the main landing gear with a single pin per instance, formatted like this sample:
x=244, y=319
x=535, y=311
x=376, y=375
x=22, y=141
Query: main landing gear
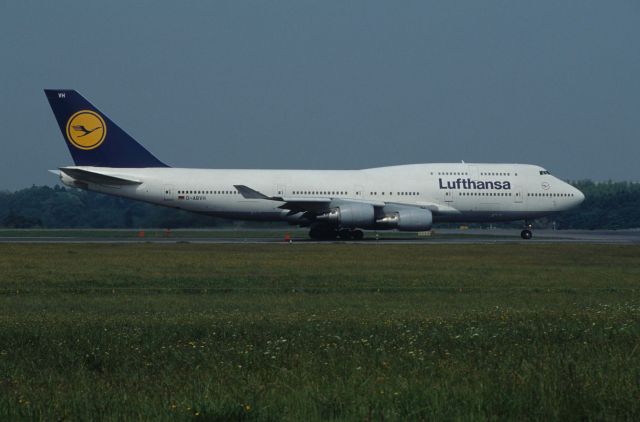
x=349, y=234
x=527, y=234
x=327, y=232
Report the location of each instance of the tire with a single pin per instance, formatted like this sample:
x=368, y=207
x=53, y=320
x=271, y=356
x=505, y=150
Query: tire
x=357, y=235
x=314, y=234
x=345, y=234
x=526, y=234
x=322, y=232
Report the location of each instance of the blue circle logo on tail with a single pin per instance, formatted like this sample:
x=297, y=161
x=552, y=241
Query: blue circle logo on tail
x=86, y=129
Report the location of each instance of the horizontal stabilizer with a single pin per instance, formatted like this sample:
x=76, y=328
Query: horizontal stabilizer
x=98, y=178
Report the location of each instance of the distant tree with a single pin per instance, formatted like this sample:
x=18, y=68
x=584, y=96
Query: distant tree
x=17, y=221
x=61, y=207
x=607, y=205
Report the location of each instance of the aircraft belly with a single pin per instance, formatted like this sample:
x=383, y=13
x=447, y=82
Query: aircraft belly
x=487, y=216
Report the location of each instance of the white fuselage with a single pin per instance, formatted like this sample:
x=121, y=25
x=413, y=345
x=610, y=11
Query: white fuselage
x=461, y=192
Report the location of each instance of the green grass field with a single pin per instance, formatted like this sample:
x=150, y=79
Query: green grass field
x=309, y=332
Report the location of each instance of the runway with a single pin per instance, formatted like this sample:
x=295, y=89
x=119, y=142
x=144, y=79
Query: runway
x=440, y=236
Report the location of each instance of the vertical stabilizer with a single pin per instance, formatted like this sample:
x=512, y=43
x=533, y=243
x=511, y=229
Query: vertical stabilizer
x=93, y=139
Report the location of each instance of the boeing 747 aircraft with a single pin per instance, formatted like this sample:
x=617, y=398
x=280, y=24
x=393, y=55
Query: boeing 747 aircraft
x=332, y=203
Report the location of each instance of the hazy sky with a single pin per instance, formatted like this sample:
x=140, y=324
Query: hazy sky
x=330, y=84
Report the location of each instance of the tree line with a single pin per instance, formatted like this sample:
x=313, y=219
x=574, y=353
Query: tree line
x=61, y=207
x=608, y=205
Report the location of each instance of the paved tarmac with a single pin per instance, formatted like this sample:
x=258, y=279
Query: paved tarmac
x=440, y=236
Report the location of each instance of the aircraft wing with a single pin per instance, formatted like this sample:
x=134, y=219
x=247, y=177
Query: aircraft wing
x=302, y=204
x=323, y=204
x=97, y=177
x=294, y=205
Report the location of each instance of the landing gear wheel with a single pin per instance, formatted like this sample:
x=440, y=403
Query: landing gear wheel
x=322, y=232
x=526, y=234
x=345, y=234
x=357, y=235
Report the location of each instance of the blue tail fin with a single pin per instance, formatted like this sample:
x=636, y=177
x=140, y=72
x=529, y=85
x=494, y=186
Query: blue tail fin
x=93, y=139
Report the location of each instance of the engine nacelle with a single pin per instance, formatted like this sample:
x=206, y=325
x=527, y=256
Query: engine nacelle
x=350, y=215
x=415, y=220
x=408, y=219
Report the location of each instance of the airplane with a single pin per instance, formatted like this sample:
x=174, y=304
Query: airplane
x=334, y=204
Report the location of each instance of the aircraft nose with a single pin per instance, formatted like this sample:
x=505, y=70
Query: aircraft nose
x=579, y=196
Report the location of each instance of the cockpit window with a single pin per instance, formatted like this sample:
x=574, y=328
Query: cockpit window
x=544, y=172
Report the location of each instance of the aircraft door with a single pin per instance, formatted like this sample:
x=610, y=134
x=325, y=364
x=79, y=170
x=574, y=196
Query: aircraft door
x=358, y=191
x=473, y=172
x=518, y=192
x=168, y=192
x=517, y=195
x=281, y=190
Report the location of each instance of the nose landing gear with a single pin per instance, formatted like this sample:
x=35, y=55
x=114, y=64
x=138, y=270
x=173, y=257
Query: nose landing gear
x=527, y=234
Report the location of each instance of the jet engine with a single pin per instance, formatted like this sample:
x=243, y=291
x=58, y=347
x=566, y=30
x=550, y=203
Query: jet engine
x=350, y=215
x=407, y=219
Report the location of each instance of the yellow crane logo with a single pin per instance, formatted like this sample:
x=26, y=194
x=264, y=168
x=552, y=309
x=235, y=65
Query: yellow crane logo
x=86, y=129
